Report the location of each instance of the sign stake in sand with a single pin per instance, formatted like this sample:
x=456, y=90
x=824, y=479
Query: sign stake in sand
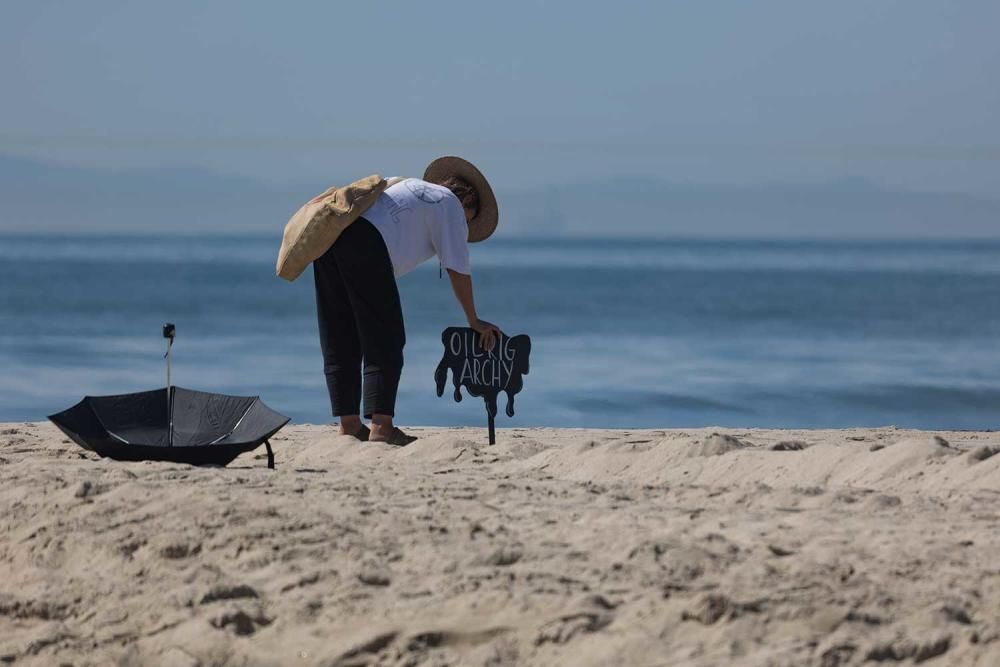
x=483, y=373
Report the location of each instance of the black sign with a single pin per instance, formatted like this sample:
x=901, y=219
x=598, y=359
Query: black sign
x=483, y=373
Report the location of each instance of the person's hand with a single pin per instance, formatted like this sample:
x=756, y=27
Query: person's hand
x=488, y=333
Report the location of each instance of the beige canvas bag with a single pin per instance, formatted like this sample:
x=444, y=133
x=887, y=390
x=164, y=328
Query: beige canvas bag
x=314, y=227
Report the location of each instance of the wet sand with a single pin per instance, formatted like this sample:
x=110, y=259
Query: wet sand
x=554, y=547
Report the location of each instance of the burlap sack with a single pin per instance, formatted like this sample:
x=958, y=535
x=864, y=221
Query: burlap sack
x=315, y=226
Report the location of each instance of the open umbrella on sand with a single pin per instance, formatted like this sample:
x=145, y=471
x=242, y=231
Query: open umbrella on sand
x=171, y=424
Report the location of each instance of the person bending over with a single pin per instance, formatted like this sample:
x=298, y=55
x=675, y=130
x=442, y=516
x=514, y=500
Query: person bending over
x=360, y=318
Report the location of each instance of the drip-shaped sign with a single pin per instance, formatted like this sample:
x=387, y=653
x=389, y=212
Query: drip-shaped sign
x=483, y=373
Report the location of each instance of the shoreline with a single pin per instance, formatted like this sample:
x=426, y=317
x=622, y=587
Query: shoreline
x=554, y=547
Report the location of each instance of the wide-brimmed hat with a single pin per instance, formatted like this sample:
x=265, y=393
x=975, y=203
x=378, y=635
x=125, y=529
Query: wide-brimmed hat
x=485, y=222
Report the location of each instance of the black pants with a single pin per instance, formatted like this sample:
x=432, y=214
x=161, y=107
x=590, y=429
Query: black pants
x=360, y=318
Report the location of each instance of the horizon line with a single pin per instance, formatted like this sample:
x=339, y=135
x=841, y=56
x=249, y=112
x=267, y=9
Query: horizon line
x=520, y=237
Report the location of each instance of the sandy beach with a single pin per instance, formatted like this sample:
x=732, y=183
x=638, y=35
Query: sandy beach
x=554, y=547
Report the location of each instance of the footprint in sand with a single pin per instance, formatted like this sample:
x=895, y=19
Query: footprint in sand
x=982, y=453
x=713, y=607
x=241, y=622
x=789, y=446
x=718, y=444
x=596, y=613
x=229, y=592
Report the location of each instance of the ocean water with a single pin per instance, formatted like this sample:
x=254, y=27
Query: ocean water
x=625, y=333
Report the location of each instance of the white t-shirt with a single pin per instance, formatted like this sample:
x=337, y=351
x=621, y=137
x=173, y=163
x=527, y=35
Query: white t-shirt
x=418, y=220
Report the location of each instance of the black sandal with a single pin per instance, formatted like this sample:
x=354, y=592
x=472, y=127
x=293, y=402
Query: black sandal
x=363, y=433
x=396, y=438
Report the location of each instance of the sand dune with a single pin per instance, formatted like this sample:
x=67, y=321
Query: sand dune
x=555, y=547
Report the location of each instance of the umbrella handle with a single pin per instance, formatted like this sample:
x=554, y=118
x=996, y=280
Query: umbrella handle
x=270, y=454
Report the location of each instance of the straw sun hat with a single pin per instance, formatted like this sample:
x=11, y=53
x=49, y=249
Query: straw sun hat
x=485, y=222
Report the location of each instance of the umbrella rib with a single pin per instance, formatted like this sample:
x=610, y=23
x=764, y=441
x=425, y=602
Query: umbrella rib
x=101, y=422
x=233, y=430
x=115, y=435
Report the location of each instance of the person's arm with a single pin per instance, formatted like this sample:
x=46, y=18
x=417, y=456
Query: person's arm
x=462, y=285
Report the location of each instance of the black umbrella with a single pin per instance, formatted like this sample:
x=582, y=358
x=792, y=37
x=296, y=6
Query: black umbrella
x=171, y=424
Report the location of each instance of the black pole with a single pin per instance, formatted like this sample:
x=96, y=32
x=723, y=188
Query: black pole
x=169, y=331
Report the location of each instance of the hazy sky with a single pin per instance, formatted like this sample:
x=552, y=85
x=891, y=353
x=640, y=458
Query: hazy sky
x=903, y=92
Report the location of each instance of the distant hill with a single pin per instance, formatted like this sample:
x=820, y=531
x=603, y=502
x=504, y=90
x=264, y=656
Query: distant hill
x=39, y=196
x=843, y=209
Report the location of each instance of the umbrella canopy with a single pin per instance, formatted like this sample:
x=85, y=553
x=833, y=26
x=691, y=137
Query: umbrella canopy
x=171, y=424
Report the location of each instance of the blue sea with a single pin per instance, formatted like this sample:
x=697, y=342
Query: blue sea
x=625, y=333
